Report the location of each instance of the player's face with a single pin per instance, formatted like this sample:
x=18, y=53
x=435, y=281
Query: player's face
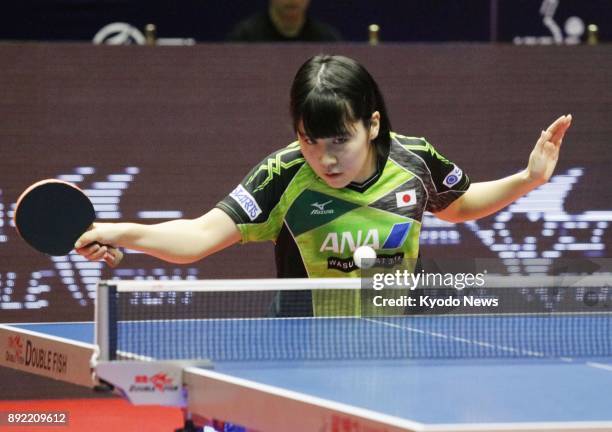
x=343, y=159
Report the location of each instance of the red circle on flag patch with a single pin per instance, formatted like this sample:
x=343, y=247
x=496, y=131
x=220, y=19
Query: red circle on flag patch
x=406, y=198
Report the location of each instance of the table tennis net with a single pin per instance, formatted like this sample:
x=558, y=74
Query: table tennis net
x=255, y=320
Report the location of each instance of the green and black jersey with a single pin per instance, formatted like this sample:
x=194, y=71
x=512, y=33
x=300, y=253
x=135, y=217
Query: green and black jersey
x=316, y=228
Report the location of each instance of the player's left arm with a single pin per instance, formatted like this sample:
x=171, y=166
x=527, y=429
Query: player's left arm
x=485, y=198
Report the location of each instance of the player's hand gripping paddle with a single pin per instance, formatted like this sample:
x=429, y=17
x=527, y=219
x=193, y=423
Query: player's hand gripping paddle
x=52, y=214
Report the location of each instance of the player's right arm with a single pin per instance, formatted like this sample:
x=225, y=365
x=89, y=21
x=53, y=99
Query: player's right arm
x=246, y=214
x=180, y=241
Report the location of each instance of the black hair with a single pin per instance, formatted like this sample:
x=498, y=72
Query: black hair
x=329, y=93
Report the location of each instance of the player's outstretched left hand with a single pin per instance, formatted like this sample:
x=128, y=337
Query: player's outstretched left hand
x=545, y=154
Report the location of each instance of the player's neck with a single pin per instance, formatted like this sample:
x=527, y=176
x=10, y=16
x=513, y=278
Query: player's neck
x=369, y=167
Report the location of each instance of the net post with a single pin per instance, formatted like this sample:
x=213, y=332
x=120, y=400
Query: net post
x=106, y=320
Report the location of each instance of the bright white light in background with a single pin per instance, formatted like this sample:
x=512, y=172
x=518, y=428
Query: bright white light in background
x=172, y=214
x=72, y=178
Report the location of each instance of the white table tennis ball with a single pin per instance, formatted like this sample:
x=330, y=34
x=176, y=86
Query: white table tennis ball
x=364, y=252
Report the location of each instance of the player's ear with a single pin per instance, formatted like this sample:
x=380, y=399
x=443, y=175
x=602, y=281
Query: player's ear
x=374, y=125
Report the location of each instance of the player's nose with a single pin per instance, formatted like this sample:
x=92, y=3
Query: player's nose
x=328, y=160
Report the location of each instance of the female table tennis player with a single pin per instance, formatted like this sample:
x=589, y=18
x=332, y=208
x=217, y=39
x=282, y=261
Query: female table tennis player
x=347, y=181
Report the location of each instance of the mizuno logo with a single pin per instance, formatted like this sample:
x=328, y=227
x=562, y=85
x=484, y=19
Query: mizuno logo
x=320, y=208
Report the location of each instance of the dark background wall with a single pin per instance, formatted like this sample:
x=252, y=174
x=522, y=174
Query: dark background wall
x=211, y=20
x=175, y=129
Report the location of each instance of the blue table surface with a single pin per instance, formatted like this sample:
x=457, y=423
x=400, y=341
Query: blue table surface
x=432, y=391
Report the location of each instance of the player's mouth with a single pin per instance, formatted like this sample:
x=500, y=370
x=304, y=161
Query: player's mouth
x=332, y=175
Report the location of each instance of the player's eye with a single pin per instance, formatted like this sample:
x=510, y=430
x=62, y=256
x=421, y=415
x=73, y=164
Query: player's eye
x=340, y=140
x=306, y=139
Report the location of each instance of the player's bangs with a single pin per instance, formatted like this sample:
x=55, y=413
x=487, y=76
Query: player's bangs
x=325, y=115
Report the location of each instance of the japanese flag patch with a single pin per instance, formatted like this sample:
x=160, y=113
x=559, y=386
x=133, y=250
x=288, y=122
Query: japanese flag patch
x=453, y=177
x=405, y=198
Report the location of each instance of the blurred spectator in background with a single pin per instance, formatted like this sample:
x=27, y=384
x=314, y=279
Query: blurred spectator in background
x=285, y=21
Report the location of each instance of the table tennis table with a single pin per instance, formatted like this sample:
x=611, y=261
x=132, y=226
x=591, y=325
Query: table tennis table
x=526, y=393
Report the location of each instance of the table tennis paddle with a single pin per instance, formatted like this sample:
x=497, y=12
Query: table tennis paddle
x=52, y=214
